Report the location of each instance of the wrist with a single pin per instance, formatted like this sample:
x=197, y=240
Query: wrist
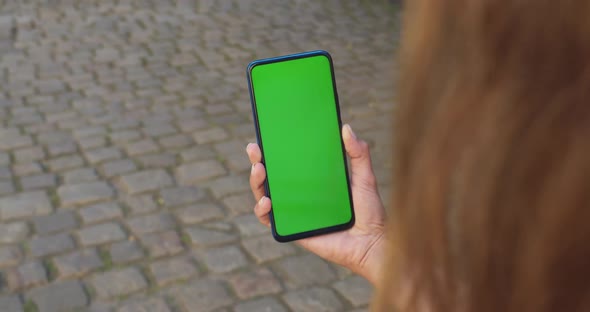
x=371, y=263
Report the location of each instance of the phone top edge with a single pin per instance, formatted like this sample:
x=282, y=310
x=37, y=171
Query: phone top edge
x=275, y=59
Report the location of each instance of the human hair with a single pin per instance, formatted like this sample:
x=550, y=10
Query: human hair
x=491, y=196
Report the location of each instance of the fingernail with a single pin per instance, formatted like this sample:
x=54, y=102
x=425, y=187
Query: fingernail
x=252, y=170
x=349, y=129
x=261, y=201
x=247, y=146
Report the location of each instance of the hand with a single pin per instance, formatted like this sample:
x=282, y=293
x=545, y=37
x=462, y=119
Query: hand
x=359, y=248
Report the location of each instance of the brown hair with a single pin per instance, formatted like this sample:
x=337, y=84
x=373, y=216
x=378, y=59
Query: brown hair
x=492, y=158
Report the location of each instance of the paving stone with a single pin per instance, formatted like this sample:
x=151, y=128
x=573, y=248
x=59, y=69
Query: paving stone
x=46, y=180
x=11, y=303
x=57, y=222
x=50, y=298
x=265, y=248
x=239, y=204
x=224, y=259
x=117, y=167
x=141, y=147
x=5, y=172
x=15, y=141
x=248, y=225
x=7, y=187
x=162, y=160
x=203, y=296
x=50, y=86
x=210, y=135
x=124, y=136
x=197, y=153
x=202, y=237
x=13, y=232
x=198, y=213
x=118, y=283
x=266, y=304
x=315, y=299
x=99, y=155
x=53, y=137
x=158, y=130
x=176, y=141
x=65, y=162
x=237, y=163
x=179, y=196
x=151, y=223
x=194, y=173
x=77, y=263
x=6, y=27
x=29, y=154
x=162, y=244
x=260, y=281
x=141, y=204
x=10, y=256
x=126, y=123
x=100, y=212
x=80, y=175
x=125, y=251
x=50, y=245
x=218, y=109
x=218, y=226
x=101, y=234
x=224, y=186
x=26, y=204
x=29, y=274
x=192, y=124
x=92, y=142
x=89, y=131
x=27, y=169
x=355, y=289
x=84, y=193
x=5, y=159
x=304, y=270
x=171, y=270
x=62, y=148
x=146, y=305
x=232, y=147
x=148, y=180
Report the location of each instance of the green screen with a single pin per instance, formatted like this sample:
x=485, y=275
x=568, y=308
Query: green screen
x=299, y=130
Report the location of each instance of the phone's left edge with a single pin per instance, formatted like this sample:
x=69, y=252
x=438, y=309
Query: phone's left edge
x=249, y=69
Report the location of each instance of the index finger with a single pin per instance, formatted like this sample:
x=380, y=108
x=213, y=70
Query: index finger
x=254, y=154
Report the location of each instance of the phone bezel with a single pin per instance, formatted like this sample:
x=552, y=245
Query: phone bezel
x=321, y=231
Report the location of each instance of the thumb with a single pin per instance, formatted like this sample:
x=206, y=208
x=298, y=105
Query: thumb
x=360, y=159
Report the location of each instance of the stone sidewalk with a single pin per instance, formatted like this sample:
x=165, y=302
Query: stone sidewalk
x=123, y=175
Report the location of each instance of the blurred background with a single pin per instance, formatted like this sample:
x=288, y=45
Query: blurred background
x=123, y=173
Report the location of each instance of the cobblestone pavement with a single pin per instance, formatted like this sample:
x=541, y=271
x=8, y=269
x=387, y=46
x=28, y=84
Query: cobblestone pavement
x=123, y=175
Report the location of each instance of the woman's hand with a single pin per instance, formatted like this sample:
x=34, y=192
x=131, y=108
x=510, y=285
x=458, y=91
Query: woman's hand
x=359, y=248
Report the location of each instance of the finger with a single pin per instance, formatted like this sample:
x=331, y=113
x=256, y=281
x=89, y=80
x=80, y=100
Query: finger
x=254, y=154
x=257, y=177
x=262, y=209
x=360, y=159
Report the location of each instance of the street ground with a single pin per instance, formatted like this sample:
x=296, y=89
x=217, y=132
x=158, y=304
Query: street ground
x=123, y=174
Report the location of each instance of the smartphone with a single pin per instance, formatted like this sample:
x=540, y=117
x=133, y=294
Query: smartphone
x=298, y=128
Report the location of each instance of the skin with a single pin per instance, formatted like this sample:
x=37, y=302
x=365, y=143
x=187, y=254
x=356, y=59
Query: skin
x=360, y=248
